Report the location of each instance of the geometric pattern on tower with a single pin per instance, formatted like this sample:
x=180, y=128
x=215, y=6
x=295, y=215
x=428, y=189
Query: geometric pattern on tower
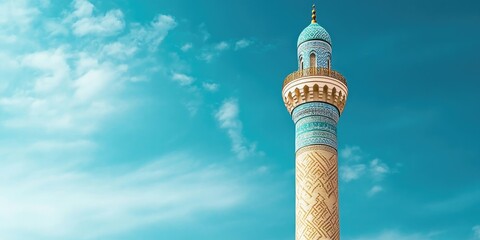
x=315, y=124
x=321, y=49
x=314, y=32
x=316, y=179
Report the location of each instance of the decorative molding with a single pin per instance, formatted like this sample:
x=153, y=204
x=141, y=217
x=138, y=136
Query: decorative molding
x=315, y=123
x=316, y=147
x=314, y=88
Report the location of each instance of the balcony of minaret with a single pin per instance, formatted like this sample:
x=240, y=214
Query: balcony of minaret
x=315, y=85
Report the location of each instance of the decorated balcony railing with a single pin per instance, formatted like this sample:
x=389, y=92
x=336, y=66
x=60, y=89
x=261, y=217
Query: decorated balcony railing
x=314, y=71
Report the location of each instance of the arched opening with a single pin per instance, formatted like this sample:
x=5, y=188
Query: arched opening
x=315, y=91
x=306, y=92
x=301, y=63
x=313, y=60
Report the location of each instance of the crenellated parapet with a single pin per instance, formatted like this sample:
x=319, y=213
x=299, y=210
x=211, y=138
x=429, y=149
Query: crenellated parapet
x=315, y=85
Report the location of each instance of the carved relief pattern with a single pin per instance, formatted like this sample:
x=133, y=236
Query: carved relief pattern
x=317, y=216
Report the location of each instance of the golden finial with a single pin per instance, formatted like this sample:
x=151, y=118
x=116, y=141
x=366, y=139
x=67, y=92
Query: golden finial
x=314, y=14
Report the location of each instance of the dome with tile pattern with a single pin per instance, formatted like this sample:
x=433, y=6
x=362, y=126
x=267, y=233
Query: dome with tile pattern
x=314, y=32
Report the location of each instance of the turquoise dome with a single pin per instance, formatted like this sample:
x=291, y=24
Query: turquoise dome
x=314, y=32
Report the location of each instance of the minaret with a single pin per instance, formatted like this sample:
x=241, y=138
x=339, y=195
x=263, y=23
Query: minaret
x=315, y=96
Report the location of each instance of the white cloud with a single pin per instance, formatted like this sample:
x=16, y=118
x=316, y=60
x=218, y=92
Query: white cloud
x=193, y=106
x=206, y=56
x=203, y=32
x=351, y=153
x=378, y=169
x=351, y=172
x=242, y=43
x=55, y=28
x=396, y=235
x=182, y=79
x=262, y=170
x=52, y=185
x=227, y=117
x=65, y=91
x=83, y=8
x=154, y=33
x=208, y=53
x=186, y=47
x=93, y=83
x=354, y=169
x=374, y=190
x=222, y=46
x=86, y=23
x=54, y=67
x=60, y=200
x=16, y=14
x=119, y=50
x=476, y=232
x=211, y=87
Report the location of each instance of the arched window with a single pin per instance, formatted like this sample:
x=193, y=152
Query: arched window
x=301, y=63
x=313, y=60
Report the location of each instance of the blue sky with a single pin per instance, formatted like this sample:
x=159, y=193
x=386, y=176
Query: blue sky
x=164, y=119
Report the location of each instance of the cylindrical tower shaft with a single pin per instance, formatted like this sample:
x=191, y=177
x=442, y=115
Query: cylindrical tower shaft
x=316, y=171
x=317, y=215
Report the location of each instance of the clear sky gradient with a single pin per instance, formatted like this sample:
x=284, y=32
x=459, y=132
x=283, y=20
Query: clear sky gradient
x=164, y=119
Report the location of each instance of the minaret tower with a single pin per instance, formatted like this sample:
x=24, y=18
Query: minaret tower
x=315, y=96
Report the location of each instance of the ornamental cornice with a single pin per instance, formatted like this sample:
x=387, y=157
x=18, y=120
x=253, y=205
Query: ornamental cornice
x=323, y=86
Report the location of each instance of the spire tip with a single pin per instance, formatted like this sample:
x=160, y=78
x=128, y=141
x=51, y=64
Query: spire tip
x=314, y=14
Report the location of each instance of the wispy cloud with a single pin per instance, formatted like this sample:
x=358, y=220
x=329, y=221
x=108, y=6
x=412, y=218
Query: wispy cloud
x=398, y=235
x=203, y=32
x=378, y=169
x=62, y=200
x=153, y=34
x=227, y=117
x=211, y=87
x=352, y=172
x=221, y=46
x=86, y=23
x=119, y=50
x=73, y=92
x=476, y=232
x=211, y=51
x=17, y=14
x=351, y=153
x=353, y=168
x=186, y=47
x=242, y=43
x=182, y=79
x=374, y=190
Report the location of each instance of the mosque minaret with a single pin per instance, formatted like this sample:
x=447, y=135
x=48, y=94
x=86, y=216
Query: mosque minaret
x=315, y=96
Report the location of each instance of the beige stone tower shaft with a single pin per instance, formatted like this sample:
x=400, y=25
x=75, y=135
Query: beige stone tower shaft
x=317, y=215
